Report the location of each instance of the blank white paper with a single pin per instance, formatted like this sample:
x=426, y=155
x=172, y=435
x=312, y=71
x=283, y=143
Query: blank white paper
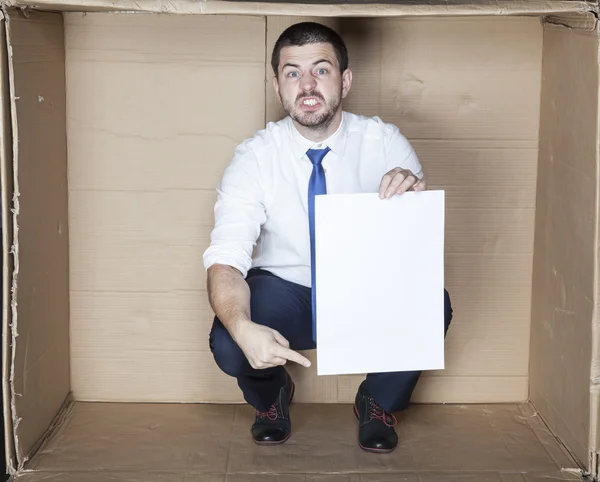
x=379, y=282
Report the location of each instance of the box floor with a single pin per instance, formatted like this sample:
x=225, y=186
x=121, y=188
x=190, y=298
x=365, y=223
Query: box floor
x=184, y=443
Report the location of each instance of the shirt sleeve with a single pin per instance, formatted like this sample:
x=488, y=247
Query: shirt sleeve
x=400, y=153
x=239, y=213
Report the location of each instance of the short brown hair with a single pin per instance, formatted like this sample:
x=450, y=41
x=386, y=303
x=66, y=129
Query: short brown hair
x=306, y=33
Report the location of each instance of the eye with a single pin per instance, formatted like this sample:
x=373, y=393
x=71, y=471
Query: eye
x=322, y=71
x=293, y=74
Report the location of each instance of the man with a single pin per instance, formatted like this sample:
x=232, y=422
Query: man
x=259, y=261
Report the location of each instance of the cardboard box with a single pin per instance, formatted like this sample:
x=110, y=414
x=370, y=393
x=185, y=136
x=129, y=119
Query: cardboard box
x=116, y=128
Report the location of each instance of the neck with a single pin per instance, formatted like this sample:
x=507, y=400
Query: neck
x=318, y=134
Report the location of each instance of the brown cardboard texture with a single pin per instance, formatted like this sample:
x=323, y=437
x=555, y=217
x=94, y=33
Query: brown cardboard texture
x=40, y=316
x=116, y=128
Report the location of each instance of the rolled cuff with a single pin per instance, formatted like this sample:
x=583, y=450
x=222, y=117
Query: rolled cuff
x=217, y=255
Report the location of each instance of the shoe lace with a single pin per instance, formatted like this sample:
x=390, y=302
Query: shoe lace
x=378, y=413
x=271, y=414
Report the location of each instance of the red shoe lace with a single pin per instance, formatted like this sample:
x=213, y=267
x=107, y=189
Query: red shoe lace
x=271, y=414
x=379, y=413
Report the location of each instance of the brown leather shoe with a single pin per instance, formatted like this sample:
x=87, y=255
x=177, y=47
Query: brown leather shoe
x=274, y=426
x=376, y=426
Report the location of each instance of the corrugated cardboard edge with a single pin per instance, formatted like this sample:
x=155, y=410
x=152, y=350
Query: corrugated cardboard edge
x=15, y=247
x=594, y=442
x=427, y=8
x=7, y=261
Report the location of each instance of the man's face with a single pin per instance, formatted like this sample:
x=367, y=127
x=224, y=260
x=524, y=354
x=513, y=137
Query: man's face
x=309, y=84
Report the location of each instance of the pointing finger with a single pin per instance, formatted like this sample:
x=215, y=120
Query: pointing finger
x=292, y=356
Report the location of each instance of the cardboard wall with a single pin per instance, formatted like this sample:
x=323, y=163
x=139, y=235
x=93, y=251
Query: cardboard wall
x=565, y=244
x=466, y=94
x=40, y=375
x=156, y=105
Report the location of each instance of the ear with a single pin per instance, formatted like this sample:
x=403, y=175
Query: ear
x=346, y=82
x=276, y=87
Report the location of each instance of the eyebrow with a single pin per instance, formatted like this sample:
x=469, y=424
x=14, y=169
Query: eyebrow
x=296, y=66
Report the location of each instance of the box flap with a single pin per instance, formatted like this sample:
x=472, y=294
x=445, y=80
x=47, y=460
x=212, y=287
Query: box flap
x=318, y=8
x=40, y=358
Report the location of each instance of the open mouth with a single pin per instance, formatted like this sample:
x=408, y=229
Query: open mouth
x=310, y=103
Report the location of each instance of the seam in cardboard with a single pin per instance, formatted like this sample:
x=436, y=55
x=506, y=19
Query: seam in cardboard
x=535, y=421
x=15, y=246
x=57, y=425
x=561, y=444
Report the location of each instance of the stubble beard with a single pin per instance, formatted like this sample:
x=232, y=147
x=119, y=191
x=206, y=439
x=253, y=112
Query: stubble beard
x=317, y=121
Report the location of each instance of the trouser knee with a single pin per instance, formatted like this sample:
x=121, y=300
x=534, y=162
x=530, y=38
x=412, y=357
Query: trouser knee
x=227, y=354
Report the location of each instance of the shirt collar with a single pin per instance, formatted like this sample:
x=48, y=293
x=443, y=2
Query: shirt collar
x=336, y=142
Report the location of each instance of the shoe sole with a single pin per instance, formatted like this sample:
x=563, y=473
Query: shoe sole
x=279, y=442
x=368, y=449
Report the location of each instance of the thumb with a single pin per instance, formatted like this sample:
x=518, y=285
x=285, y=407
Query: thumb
x=281, y=339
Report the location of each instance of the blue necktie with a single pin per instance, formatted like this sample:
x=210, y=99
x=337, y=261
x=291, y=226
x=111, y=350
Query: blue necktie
x=316, y=185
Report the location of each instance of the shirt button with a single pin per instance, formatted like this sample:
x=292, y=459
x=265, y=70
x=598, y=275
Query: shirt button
x=319, y=145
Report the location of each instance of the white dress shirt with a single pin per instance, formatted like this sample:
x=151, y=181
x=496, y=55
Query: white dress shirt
x=261, y=213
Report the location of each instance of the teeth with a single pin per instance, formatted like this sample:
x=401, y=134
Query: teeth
x=310, y=102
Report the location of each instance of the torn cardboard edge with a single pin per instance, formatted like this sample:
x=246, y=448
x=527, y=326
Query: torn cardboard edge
x=321, y=9
x=8, y=74
x=7, y=262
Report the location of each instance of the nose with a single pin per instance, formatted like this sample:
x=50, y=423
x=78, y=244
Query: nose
x=308, y=83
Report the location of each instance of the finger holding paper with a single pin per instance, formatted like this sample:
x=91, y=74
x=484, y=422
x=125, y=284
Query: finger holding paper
x=398, y=181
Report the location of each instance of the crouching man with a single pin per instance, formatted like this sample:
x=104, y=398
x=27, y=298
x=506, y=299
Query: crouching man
x=261, y=255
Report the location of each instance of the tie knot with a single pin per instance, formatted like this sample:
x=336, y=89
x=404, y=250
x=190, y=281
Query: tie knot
x=317, y=155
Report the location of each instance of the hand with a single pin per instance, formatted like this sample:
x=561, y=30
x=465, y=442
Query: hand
x=265, y=347
x=398, y=181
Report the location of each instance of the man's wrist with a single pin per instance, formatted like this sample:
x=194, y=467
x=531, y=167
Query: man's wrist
x=237, y=327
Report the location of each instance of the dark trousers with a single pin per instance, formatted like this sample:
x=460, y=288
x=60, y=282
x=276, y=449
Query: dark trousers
x=286, y=307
